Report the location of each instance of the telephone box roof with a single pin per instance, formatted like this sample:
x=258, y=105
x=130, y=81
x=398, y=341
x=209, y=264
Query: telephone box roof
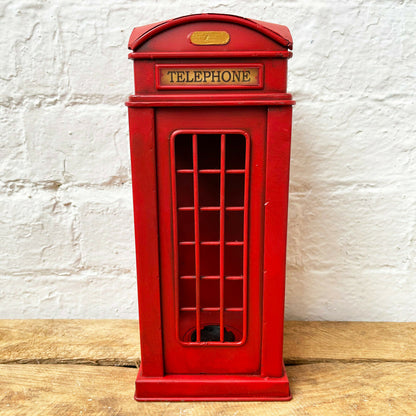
x=278, y=33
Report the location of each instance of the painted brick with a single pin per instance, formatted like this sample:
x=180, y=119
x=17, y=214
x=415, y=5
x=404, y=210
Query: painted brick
x=13, y=154
x=66, y=225
x=340, y=144
x=347, y=231
x=61, y=297
x=36, y=233
x=32, y=60
x=106, y=228
x=82, y=143
x=371, y=296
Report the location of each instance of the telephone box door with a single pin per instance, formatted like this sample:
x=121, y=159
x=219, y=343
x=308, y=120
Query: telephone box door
x=211, y=192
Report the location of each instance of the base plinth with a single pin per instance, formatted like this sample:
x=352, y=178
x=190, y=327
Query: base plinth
x=179, y=387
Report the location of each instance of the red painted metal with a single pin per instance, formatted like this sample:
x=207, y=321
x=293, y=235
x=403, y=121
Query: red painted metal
x=143, y=161
x=215, y=55
x=210, y=175
x=278, y=33
x=222, y=240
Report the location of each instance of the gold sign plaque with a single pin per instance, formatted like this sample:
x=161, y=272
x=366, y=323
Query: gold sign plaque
x=209, y=76
x=209, y=37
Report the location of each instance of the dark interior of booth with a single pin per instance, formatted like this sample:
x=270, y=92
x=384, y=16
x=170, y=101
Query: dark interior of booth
x=210, y=189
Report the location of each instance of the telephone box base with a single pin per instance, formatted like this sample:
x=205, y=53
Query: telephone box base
x=180, y=387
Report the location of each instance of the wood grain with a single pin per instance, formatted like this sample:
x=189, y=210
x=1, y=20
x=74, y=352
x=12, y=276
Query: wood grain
x=336, y=368
x=318, y=389
x=95, y=342
x=116, y=342
x=307, y=342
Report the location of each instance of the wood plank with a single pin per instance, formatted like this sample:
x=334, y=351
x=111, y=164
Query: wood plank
x=116, y=342
x=307, y=342
x=95, y=342
x=318, y=389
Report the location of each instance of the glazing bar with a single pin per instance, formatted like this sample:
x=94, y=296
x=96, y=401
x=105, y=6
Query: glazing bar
x=196, y=220
x=222, y=236
x=245, y=252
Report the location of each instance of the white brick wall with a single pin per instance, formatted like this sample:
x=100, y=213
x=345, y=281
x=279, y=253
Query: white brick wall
x=66, y=227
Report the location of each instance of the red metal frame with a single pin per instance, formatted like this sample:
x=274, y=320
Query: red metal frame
x=214, y=55
x=208, y=387
x=222, y=243
x=178, y=361
x=241, y=359
x=214, y=100
x=143, y=161
x=280, y=34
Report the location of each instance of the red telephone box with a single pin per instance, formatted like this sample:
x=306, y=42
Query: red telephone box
x=210, y=126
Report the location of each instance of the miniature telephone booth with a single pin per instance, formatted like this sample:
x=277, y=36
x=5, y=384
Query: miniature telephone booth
x=210, y=127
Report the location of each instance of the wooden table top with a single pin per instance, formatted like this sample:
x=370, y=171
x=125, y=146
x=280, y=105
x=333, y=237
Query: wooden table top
x=88, y=367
